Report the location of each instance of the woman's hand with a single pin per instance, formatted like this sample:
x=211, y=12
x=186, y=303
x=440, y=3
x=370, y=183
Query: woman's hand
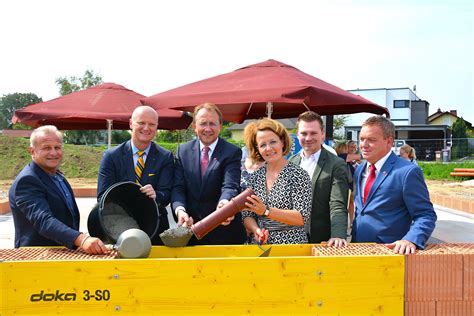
x=255, y=204
x=261, y=235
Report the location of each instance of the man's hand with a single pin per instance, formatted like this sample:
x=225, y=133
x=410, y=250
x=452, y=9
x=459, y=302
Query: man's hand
x=337, y=242
x=184, y=219
x=403, y=247
x=149, y=191
x=228, y=221
x=91, y=245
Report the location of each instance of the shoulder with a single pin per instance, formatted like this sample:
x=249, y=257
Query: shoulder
x=404, y=168
x=119, y=149
x=27, y=171
x=29, y=176
x=333, y=159
x=161, y=150
x=188, y=145
x=228, y=146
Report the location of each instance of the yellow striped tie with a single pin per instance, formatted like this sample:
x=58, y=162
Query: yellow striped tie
x=139, y=167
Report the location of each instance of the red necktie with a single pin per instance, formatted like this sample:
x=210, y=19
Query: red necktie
x=204, y=160
x=369, y=182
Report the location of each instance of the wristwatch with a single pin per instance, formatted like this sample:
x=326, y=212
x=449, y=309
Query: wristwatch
x=266, y=213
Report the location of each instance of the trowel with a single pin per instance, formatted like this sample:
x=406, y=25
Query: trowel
x=265, y=252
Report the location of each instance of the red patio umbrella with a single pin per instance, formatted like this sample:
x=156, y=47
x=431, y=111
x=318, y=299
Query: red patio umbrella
x=270, y=88
x=92, y=108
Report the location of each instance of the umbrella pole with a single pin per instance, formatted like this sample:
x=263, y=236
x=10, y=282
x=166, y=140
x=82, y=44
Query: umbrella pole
x=109, y=133
x=269, y=109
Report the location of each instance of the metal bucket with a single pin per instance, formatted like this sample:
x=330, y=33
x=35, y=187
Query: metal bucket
x=120, y=208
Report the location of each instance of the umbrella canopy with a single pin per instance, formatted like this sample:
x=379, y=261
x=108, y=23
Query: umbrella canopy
x=91, y=108
x=251, y=92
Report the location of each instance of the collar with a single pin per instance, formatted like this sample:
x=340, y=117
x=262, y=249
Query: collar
x=211, y=146
x=313, y=157
x=135, y=149
x=379, y=164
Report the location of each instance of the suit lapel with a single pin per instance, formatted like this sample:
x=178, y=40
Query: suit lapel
x=359, y=173
x=319, y=167
x=127, y=158
x=195, y=161
x=151, y=160
x=381, y=176
x=46, y=179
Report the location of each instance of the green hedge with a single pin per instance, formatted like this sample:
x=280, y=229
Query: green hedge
x=441, y=171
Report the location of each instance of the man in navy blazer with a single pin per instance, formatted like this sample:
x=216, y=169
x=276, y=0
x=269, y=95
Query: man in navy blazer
x=397, y=210
x=195, y=196
x=42, y=202
x=118, y=164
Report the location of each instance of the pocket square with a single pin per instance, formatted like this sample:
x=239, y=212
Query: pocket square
x=151, y=174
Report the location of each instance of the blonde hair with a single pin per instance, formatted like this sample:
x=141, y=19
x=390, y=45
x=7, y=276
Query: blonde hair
x=265, y=124
x=410, y=151
x=341, y=148
x=44, y=130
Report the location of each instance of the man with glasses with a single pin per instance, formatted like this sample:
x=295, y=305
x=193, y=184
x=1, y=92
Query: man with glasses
x=207, y=175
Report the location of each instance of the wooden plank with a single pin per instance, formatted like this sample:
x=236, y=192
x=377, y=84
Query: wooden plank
x=462, y=174
x=463, y=170
x=298, y=285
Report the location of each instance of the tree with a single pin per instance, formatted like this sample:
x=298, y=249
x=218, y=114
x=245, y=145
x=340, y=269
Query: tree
x=11, y=102
x=460, y=142
x=338, y=124
x=73, y=84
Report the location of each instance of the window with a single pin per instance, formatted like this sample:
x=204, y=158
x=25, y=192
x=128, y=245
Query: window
x=401, y=104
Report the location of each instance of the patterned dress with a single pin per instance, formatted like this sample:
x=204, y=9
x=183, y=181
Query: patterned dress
x=291, y=191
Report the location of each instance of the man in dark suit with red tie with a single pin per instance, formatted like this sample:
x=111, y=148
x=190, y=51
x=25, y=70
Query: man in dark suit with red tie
x=207, y=175
x=141, y=160
x=392, y=201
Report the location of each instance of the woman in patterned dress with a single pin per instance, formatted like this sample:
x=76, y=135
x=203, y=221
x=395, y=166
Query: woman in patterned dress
x=277, y=214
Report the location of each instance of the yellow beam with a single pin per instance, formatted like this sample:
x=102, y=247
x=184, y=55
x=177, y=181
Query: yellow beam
x=226, y=285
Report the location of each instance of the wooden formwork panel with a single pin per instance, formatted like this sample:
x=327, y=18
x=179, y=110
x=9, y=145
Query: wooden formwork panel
x=220, y=281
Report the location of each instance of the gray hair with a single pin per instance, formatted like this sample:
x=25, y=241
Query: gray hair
x=384, y=123
x=44, y=130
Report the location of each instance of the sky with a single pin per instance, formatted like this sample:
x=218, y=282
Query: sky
x=153, y=46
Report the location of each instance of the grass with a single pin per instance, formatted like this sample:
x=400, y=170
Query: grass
x=79, y=161
x=441, y=171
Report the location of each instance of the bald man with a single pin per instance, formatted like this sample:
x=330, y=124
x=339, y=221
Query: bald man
x=119, y=164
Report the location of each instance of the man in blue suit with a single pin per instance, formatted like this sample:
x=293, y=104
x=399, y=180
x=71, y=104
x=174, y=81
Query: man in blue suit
x=207, y=175
x=392, y=201
x=42, y=202
x=119, y=164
